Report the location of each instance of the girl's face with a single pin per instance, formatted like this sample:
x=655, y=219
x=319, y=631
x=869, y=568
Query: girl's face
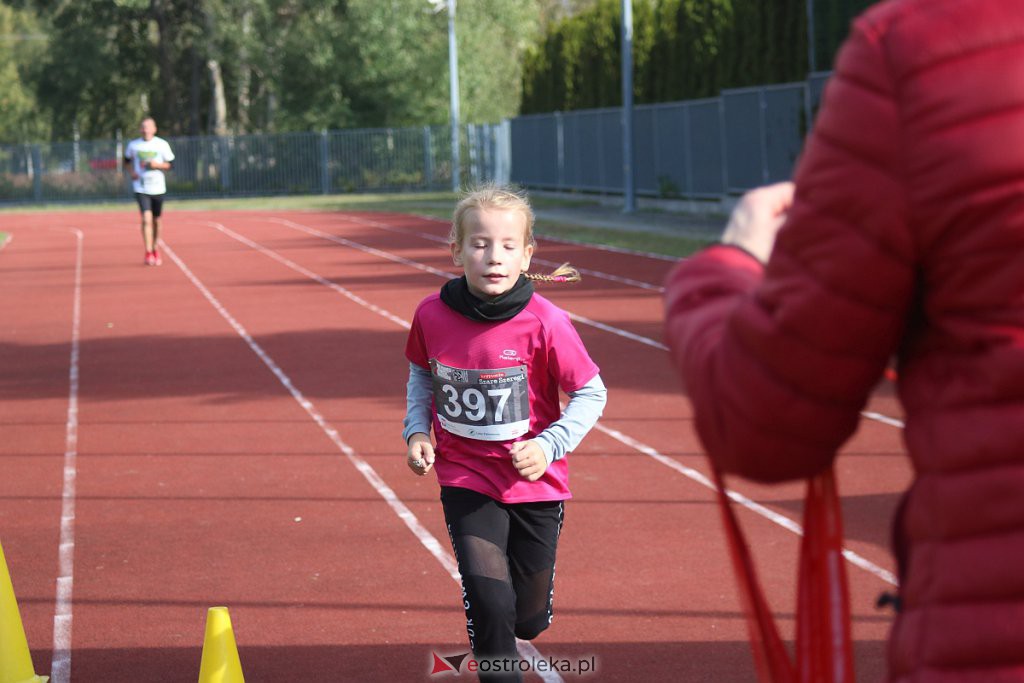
x=493, y=251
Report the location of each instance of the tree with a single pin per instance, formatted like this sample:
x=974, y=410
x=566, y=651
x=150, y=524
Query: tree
x=79, y=83
x=683, y=49
x=22, y=43
x=401, y=59
x=237, y=66
x=397, y=72
x=233, y=66
x=493, y=37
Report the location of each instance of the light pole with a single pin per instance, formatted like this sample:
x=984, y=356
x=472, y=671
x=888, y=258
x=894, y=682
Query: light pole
x=811, y=56
x=629, y=194
x=453, y=80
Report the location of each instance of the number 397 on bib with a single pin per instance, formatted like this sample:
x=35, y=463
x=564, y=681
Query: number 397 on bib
x=490, y=405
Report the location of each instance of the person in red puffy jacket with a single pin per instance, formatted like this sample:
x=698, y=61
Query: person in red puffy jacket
x=904, y=237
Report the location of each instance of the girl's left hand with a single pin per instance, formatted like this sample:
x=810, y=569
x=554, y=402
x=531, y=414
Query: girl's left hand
x=529, y=459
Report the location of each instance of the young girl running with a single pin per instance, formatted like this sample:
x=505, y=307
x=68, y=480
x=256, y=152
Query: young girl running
x=487, y=357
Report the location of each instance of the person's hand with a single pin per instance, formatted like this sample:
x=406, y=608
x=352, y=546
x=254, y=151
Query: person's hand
x=757, y=218
x=420, y=455
x=529, y=459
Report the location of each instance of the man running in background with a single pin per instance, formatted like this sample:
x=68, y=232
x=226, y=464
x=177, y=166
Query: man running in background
x=149, y=156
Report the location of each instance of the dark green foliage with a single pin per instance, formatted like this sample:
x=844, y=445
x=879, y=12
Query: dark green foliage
x=283, y=65
x=832, y=23
x=286, y=65
x=85, y=39
x=682, y=49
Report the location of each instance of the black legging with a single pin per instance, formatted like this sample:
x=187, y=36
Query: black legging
x=506, y=555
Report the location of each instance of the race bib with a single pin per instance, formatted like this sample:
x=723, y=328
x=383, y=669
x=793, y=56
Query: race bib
x=490, y=405
x=151, y=181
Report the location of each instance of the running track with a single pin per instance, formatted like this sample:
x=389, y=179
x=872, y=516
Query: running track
x=225, y=430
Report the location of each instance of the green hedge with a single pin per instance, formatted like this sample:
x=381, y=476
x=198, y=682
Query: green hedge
x=682, y=49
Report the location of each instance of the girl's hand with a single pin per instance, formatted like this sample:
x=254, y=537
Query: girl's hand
x=529, y=459
x=420, y=455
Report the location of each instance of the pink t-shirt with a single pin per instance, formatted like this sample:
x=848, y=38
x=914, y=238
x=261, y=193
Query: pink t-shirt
x=497, y=382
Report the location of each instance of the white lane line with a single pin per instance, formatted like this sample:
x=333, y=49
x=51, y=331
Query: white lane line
x=591, y=245
x=604, y=276
x=689, y=472
x=551, y=264
x=884, y=419
x=427, y=539
x=618, y=331
x=361, y=247
x=347, y=293
x=612, y=249
x=404, y=513
x=757, y=508
x=647, y=341
x=440, y=273
x=60, y=667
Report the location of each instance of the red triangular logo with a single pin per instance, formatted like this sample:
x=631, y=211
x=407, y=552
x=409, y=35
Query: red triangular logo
x=440, y=665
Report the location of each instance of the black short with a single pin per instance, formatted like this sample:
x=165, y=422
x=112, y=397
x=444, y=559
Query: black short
x=150, y=202
x=506, y=556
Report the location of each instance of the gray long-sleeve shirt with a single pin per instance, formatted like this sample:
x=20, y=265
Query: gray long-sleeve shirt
x=562, y=436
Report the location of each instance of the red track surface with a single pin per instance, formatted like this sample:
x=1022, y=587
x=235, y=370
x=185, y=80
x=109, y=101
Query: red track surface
x=200, y=480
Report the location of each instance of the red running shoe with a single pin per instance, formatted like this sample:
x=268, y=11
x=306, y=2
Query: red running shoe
x=150, y=258
x=157, y=261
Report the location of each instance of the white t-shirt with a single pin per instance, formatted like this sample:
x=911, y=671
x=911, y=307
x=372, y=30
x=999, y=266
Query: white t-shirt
x=150, y=181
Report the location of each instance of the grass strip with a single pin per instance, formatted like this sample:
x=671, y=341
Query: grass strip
x=434, y=204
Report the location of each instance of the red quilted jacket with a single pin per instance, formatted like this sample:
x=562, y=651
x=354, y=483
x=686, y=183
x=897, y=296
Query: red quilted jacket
x=906, y=238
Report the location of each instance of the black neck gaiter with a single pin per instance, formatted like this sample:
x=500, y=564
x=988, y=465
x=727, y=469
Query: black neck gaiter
x=455, y=293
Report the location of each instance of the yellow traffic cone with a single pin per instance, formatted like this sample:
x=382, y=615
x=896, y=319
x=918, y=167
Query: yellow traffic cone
x=220, y=662
x=15, y=660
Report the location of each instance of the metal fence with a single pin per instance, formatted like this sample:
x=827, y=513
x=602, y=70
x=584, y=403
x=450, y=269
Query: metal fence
x=367, y=160
x=700, y=149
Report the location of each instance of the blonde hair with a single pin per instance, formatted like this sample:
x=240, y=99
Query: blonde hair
x=494, y=196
